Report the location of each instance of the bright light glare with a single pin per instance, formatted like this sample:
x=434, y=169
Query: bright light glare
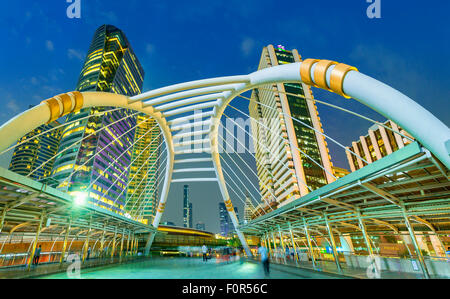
x=80, y=198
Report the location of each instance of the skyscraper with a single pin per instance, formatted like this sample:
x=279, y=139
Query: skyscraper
x=110, y=66
x=142, y=190
x=284, y=172
x=200, y=226
x=187, y=208
x=247, y=209
x=30, y=155
x=378, y=143
x=226, y=225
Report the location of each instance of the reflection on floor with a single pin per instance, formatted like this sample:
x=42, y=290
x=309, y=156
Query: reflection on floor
x=190, y=268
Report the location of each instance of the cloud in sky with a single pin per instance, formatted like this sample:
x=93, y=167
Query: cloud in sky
x=49, y=45
x=150, y=48
x=75, y=54
x=13, y=106
x=247, y=46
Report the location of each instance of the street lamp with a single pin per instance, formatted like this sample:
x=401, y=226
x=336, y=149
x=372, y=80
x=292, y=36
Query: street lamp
x=80, y=198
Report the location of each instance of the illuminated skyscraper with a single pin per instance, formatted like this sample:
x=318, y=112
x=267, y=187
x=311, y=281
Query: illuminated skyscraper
x=29, y=156
x=187, y=208
x=247, y=209
x=280, y=184
x=226, y=225
x=142, y=190
x=110, y=66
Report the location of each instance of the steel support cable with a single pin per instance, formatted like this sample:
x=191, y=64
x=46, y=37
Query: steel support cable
x=131, y=163
x=241, y=183
x=267, y=149
x=269, y=189
x=146, y=201
x=308, y=126
x=114, y=140
x=244, y=176
x=116, y=159
x=158, y=180
x=305, y=154
x=146, y=161
x=342, y=109
x=57, y=127
x=126, y=202
x=237, y=195
x=152, y=187
x=79, y=141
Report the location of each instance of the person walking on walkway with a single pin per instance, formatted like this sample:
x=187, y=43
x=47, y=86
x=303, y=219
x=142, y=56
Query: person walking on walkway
x=37, y=255
x=264, y=258
x=205, y=253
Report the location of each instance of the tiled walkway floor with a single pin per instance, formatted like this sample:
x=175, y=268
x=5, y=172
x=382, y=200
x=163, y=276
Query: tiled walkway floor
x=191, y=268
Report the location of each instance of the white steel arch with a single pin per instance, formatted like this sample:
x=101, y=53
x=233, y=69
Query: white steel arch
x=178, y=102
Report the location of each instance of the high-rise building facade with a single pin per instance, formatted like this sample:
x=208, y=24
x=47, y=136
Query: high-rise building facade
x=226, y=225
x=142, y=190
x=200, y=226
x=34, y=150
x=247, y=209
x=187, y=208
x=95, y=152
x=378, y=143
x=284, y=172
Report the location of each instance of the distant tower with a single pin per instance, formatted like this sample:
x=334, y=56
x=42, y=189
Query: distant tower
x=224, y=219
x=247, y=209
x=200, y=226
x=187, y=208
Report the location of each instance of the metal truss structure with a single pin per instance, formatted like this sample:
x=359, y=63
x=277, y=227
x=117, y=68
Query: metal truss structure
x=362, y=195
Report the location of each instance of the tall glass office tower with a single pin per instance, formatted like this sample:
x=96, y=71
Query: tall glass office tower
x=110, y=66
x=284, y=172
x=34, y=149
x=187, y=208
x=142, y=190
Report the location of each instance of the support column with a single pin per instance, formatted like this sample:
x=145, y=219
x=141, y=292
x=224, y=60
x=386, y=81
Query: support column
x=86, y=242
x=2, y=220
x=268, y=242
x=423, y=266
x=308, y=239
x=333, y=244
x=66, y=237
x=113, y=249
x=33, y=249
x=275, y=246
x=121, y=244
x=362, y=226
x=293, y=243
x=283, y=249
x=128, y=244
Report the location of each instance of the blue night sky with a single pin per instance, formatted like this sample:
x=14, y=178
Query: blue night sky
x=43, y=51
